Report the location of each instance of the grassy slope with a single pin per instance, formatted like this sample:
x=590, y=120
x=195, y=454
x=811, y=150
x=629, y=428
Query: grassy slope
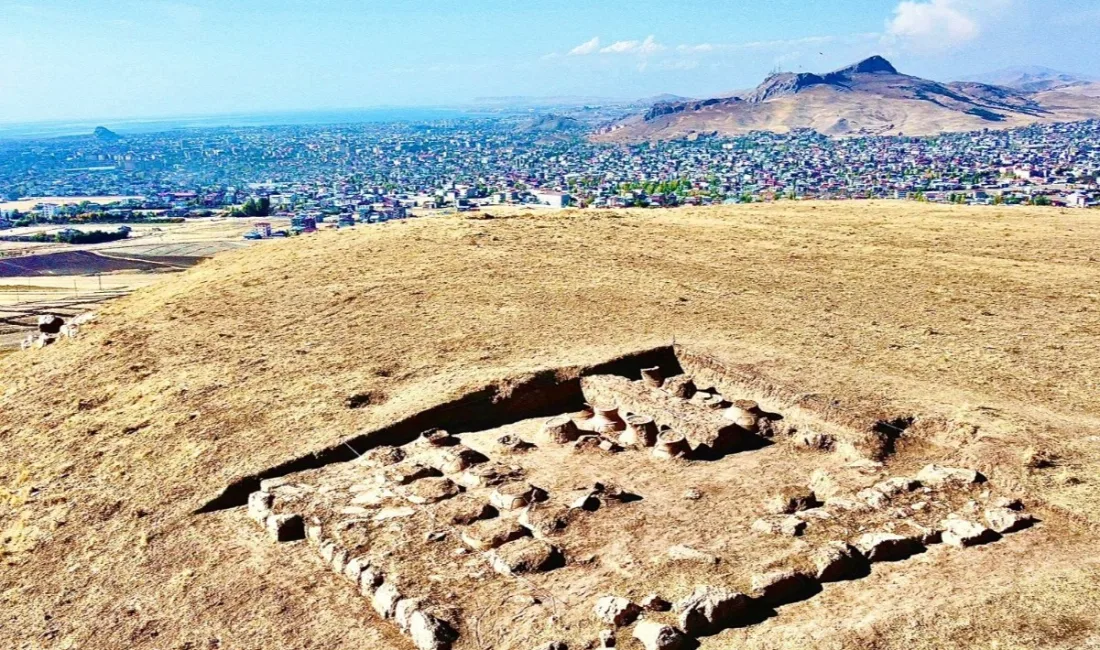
x=981, y=314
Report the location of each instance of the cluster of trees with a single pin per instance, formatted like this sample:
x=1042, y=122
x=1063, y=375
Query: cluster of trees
x=92, y=237
x=75, y=236
x=678, y=186
x=19, y=219
x=253, y=208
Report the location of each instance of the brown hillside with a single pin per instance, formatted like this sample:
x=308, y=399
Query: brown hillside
x=986, y=319
x=867, y=98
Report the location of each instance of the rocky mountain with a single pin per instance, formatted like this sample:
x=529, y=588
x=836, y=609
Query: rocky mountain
x=868, y=97
x=1032, y=78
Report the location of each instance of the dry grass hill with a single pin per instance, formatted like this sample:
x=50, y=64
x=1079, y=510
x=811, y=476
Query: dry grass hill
x=979, y=325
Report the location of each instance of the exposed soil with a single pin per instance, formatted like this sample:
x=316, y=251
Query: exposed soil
x=981, y=324
x=74, y=263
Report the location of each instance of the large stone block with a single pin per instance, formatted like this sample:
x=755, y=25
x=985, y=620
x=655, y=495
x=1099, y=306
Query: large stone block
x=285, y=528
x=259, y=505
x=381, y=457
x=403, y=611
x=789, y=500
x=339, y=560
x=658, y=636
x=515, y=495
x=370, y=580
x=939, y=476
x=430, y=633
x=385, y=600
x=456, y=459
x=430, y=490
x=781, y=587
x=838, y=561
x=354, y=568
x=526, y=555
x=887, y=547
x=960, y=532
x=489, y=474
x=1008, y=520
x=709, y=610
x=615, y=611
x=787, y=525
x=549, y=520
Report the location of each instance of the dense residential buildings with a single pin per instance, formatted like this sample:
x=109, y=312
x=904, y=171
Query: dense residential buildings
x=376, y=172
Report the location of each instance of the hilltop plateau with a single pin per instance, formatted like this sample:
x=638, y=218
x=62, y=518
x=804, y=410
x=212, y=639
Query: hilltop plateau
x=905, y=333
x=867, y=98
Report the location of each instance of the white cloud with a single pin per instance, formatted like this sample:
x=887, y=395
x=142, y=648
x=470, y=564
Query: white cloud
x=650, y=46
x=620, y=47
x=701, y=47
x=643, y=48
x=940, y=25
x=588, y=47
x=688, y=56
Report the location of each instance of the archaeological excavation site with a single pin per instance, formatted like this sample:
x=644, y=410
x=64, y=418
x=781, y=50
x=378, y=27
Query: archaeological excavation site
x=653, y=502
x=785, y=427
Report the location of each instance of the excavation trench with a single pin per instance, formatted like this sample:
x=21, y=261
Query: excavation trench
x=542, y=394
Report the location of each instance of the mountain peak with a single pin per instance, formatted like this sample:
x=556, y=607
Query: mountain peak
x=871, y=65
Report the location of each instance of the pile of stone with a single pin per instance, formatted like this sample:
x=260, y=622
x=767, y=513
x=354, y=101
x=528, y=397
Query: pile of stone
x=677, y=419
x=902, y=500
x=50, y=330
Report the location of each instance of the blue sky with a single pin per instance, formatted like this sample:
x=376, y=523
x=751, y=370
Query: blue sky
x=89, y=59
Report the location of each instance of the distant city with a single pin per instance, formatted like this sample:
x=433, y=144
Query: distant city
x=356, y=172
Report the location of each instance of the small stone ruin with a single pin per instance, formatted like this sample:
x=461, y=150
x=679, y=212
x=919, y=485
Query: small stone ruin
x=612, y=525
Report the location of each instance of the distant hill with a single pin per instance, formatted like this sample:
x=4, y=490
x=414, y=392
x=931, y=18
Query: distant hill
x=551, y=124
x=1032, y=78
x=868, y=97
x=104, y=134
x=552, y=127
x=521, y=101
x=665, y=98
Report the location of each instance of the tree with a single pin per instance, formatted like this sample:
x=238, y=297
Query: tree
x=254, y=208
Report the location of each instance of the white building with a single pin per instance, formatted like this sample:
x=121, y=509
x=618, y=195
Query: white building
x=551, y=198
